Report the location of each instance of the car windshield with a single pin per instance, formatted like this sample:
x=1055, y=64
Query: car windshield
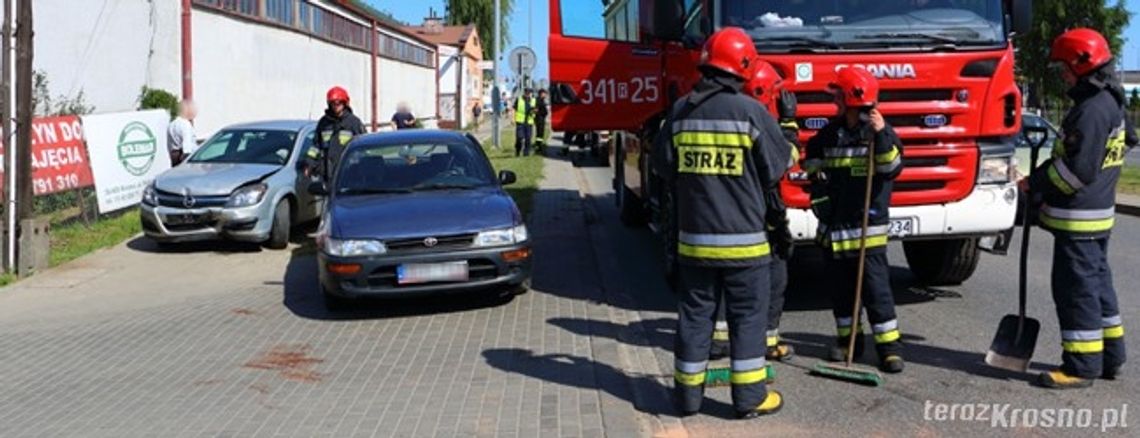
x=783, y=25
x=248, y=146
x=413, y=167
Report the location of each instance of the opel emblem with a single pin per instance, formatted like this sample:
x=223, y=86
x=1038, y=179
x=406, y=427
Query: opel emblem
x=430, y=242
x=187, y=200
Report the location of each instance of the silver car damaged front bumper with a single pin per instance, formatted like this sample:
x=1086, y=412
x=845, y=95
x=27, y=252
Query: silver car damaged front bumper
x=170, y=224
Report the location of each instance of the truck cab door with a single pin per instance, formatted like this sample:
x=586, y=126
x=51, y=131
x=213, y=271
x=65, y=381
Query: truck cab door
x=611, y=81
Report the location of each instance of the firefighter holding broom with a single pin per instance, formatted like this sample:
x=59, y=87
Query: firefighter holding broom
x=838, y=164
x=1078, y=188
x=717, y=154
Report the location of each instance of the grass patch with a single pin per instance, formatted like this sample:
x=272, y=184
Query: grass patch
x=73, y=239
x=6, y=279
x=528, y=169
x=1129, y=180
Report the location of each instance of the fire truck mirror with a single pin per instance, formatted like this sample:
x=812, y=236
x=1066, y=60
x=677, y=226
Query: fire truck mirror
x=669, y=20
x=1022, y=14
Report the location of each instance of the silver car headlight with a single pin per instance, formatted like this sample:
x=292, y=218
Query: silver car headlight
x=354, y=247
x=150, y=195
x=506, y=236
x=247, y=195
x=995, y=170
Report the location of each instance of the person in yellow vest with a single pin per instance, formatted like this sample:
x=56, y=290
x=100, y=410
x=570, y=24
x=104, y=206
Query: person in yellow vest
x=524, y=122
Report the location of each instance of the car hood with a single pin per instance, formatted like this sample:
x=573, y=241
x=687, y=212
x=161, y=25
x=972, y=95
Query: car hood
x=211, y=178
x=419, y=214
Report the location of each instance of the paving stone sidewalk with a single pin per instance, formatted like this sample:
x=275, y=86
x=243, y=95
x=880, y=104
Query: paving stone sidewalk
x=235, y=342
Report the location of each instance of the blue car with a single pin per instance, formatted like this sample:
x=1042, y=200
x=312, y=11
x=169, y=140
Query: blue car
x=419, y=212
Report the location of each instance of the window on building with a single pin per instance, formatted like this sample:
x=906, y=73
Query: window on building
x=280, y=11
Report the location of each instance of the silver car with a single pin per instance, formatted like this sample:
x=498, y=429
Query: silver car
x=242, y=184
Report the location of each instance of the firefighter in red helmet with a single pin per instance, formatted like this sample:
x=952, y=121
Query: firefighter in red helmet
x=837, y=164
x=718, y=153
x=1076, y=190
x=767, y=87
x=335, y=129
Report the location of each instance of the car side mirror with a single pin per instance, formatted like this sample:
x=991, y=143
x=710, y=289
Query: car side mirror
x=318, y=188
x=507, y=177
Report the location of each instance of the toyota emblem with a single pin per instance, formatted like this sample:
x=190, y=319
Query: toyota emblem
x=430, y=242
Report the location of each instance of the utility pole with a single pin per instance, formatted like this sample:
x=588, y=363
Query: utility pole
x=497, y=96
x=24, y=53
x=6, y=118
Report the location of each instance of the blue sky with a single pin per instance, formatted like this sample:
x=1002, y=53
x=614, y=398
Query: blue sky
x=586, y=20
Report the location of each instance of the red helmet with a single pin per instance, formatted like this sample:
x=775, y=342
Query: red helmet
x=857, y=86
x=337, y=94
x=1082, y=50
x=730, y=50
x=765, y=84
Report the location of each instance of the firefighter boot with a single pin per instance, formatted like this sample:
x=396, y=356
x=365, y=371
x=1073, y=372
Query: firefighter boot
x=891, y=363
x=773, y=402
x=1110, y=373
x=1059, y=379
x=777, y=350
x=838, y=353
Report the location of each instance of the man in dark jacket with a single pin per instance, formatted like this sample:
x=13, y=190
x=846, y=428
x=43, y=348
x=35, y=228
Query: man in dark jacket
x=1078, y=188
x=717, y=154
x=335, y=129
x=837, y=160
x=540, y=113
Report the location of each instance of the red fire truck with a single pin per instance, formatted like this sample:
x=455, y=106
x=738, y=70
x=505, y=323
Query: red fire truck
x=947, y=73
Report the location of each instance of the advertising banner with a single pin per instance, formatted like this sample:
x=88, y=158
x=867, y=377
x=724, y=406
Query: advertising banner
x=59, y=159
x=127, y=151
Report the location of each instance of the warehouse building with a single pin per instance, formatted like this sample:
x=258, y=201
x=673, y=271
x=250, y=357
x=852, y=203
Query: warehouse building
x=240, y=60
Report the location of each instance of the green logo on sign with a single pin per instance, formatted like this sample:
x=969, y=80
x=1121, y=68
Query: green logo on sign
x=137, y=147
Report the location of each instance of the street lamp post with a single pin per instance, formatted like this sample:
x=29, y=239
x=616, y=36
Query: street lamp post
x=497, y=95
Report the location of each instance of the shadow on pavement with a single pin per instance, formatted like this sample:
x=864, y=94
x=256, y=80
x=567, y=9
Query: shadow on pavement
x=145, y=244
x=579, y=372
x=302, y=296
x=658, y=332
x=815, y=345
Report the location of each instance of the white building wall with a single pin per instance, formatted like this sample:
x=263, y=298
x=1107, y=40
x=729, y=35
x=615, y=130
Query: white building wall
x=108, y=49
x=246, y=72
x=243, y=71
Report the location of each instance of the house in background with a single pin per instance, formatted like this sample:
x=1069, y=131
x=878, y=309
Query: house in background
x=459, y=69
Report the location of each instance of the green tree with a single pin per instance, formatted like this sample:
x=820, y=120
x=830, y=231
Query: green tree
x=481, y=13
x=1134, y=102
x=156, y=98
x=1051, y=18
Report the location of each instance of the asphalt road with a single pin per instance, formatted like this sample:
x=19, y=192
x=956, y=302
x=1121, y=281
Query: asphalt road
x=946, y=332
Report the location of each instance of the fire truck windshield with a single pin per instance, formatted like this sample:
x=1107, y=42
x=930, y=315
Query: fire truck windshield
x=828, y=25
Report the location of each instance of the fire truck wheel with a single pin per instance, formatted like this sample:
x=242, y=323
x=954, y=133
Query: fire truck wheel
x=942, y=262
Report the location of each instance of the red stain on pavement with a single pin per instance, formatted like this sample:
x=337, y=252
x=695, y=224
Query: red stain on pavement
x=242, y=311
x=292, y=362
x=261, y=388
x=207, y=382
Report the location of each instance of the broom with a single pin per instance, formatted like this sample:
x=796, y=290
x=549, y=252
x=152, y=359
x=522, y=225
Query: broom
x=848, y=371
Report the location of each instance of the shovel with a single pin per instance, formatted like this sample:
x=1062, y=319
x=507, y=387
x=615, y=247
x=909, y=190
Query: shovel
x=1016, y=336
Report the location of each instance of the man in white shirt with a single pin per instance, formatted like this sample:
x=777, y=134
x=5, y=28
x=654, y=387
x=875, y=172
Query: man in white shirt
x=180, y=135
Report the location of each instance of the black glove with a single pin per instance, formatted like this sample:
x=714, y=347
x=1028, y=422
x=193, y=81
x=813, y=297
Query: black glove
x=786, y=106
x=780, y=235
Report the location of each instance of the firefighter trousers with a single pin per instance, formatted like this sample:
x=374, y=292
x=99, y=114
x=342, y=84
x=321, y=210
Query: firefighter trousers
x=778, y=281
x=877, y=299
x=745, y=293
x=522, y=139
x=1092, y=332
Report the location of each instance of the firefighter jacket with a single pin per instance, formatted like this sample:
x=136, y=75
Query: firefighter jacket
x=333, y=134
x=723, y=154
x=837, y=160
x=1078, y=183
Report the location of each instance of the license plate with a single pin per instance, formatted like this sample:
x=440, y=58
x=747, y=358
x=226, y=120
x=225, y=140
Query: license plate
x=902, y=227
x=413, y=273
x=183, y=219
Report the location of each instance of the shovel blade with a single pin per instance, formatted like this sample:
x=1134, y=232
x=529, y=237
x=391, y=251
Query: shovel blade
x=1010, y=351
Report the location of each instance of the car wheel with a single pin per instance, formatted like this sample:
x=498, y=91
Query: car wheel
x=279, y=234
